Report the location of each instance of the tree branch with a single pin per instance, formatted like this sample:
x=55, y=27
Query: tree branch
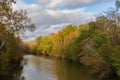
x=2, y=45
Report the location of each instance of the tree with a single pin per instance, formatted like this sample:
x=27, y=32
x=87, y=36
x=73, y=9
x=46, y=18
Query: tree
x=117, y=4
x=14, y=21
x=12, y=24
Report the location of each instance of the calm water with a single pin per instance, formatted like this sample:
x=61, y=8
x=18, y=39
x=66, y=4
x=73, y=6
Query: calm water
x=44, y=68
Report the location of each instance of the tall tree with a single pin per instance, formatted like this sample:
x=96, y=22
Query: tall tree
x=12, y=24
x=15, y=22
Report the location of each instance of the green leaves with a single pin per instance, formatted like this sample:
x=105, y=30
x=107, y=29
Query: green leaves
x=116, y=59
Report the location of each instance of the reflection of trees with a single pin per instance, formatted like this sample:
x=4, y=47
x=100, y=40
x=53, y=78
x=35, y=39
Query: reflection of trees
x=17, y=73
x=22, y=78
x=32, y=60
x=35, y=61
x=66, y=70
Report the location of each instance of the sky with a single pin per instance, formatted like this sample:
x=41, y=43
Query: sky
x=52, y=15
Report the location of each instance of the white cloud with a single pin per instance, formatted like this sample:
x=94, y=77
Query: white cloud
x=40, y=31
x=53, y=17
x=48, y=19
x=64, y=3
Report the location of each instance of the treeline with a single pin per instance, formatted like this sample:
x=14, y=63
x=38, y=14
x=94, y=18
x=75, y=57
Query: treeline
x=95, y=44
x=12, y=24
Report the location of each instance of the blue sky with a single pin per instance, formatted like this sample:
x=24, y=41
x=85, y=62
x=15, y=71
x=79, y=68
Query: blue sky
x=104, y=4
x=29, y=1
x=53, y=15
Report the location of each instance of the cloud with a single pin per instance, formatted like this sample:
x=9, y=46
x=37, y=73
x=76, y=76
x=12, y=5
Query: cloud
x=49, y=18
x=54, y=17
x=45, y=16
x=40, y=31
x=66, y=3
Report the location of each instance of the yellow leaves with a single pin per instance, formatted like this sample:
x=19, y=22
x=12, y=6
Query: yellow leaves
x=83, y=27
x=31, y=44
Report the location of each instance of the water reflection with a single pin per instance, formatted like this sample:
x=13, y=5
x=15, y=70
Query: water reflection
x=44, y=68
x=66, y=70
x=36, y=68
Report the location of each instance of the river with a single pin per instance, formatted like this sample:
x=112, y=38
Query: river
x=46, y=68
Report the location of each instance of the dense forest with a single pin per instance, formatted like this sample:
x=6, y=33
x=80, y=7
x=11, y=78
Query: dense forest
x=95, y=44
x=12, y=24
